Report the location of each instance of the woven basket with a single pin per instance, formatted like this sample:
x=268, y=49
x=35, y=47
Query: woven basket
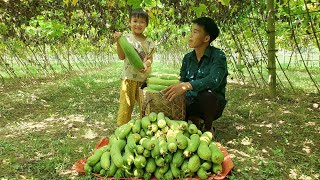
x=154, y=102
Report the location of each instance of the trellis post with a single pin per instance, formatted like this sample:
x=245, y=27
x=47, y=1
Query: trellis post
x=271, y=48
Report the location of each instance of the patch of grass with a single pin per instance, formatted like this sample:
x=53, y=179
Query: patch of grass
x=297, y=75
x=48, y=124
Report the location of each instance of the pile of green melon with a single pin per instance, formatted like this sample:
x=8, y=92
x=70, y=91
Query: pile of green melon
x=157, y=82
x=156, y=146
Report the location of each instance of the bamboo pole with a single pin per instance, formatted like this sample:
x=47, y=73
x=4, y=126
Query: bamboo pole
x=234, y=61
x=312, y=26
x=298, y=49
x=19, y=61
x=255, y=59
x=38, y=63
x=10, y=71
x=271, y=48
x=242, y=54
x=265, y=54
x=2, y=79
x=57, y=57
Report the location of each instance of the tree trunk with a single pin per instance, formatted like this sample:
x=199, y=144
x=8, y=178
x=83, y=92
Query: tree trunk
x=271, y=48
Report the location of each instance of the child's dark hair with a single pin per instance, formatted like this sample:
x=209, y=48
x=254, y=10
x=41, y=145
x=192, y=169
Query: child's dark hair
x=140, y=13
x=209, y=27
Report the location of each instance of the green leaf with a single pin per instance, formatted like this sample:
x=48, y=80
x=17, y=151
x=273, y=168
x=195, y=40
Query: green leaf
x=3, y=28
x=74, y=2
x=150, y=3
x=225, y=2
x=159, y=4
x=201, y=9
x=134, y=3
x=234, y=9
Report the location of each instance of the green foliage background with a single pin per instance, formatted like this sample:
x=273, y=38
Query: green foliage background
x=59, y=84
x=49, y=21
x=47, y=37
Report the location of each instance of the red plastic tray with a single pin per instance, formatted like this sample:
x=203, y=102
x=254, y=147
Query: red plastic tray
x=227, y=164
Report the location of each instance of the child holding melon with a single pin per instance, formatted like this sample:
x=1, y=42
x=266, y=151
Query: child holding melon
x=203, y=76
x=136, y=50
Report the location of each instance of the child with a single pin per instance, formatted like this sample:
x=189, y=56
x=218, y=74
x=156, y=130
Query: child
x=132, y=79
